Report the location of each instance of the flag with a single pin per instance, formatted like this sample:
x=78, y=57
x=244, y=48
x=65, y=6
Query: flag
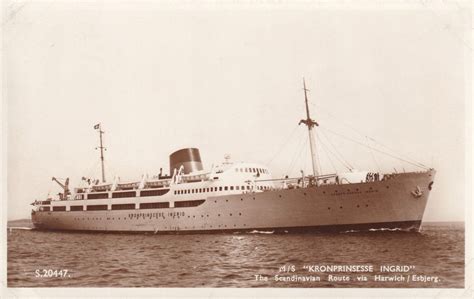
x=97, y=126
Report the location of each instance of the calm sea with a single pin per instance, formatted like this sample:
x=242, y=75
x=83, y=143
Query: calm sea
x=435, y=256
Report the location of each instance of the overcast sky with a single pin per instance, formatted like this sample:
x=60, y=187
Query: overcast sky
x=228, y=80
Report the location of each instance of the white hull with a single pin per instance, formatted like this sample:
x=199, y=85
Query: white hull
x=336, y=207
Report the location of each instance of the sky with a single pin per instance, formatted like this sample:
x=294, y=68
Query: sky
x=227, y=79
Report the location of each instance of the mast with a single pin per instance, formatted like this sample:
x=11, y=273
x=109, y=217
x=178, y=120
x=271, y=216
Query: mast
x=99, y=127
x=310, y=124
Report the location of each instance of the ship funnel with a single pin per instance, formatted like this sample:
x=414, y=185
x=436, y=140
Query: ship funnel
x=189, y=158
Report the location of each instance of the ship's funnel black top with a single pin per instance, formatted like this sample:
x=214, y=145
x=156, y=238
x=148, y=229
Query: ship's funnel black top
x=188, y=157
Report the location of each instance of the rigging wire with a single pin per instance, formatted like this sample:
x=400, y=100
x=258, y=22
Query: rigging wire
x=323, y=146
x=281, y=147
x=373, y=156
x=340, y=158
x=380, y=151
x=317, y=156
x=400, y=156
x=298, y=154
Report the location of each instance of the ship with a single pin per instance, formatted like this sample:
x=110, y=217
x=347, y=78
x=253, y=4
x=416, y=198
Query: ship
x=239, y=197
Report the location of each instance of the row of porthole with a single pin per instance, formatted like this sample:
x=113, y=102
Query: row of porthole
x=202, y=216
x=356, y=190
x=194, y=216
x=358, y=206
x=219, y=226
x=324, y=192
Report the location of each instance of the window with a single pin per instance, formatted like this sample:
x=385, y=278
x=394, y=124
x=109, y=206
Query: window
x=188, y=203
x=45, y=209
x=77, y=208
x=155, y=205
x=96, y=208
x=231, y=187
x=226, y=188
x=97, y=195
x=246, y=169
x=124, y=194
x=237, y=187
x=126, y=206
x=59, y=209
x=220, y=188
x=248, y=187
x=154, y=192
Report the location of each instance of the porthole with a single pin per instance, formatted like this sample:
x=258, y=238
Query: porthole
x=358, y=206
x=279, y=195
x=329, y=208
x=304, y=194
x=340, y=207
x=366, y=206
x=226, y=200
x=219, y=215
x=240, y=214
x=230, y=214
x=388, y=187
x=241, y=199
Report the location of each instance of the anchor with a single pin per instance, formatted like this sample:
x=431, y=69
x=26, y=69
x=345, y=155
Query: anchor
x=417, y=192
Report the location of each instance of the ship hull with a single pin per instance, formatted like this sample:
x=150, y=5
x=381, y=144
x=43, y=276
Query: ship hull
x=395, y=203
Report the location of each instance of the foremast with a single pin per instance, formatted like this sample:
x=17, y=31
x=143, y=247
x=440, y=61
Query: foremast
x=102, y=148
x=310, y=123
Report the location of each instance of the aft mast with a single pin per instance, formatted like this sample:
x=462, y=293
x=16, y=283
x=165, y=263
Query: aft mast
x=310, y=124
x=98, y=127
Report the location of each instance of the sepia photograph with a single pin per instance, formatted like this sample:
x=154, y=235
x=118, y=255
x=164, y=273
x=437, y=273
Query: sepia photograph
x=224, y=148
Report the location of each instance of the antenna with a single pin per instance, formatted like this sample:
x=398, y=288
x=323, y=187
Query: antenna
x=102, y=148
x=310, y=124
